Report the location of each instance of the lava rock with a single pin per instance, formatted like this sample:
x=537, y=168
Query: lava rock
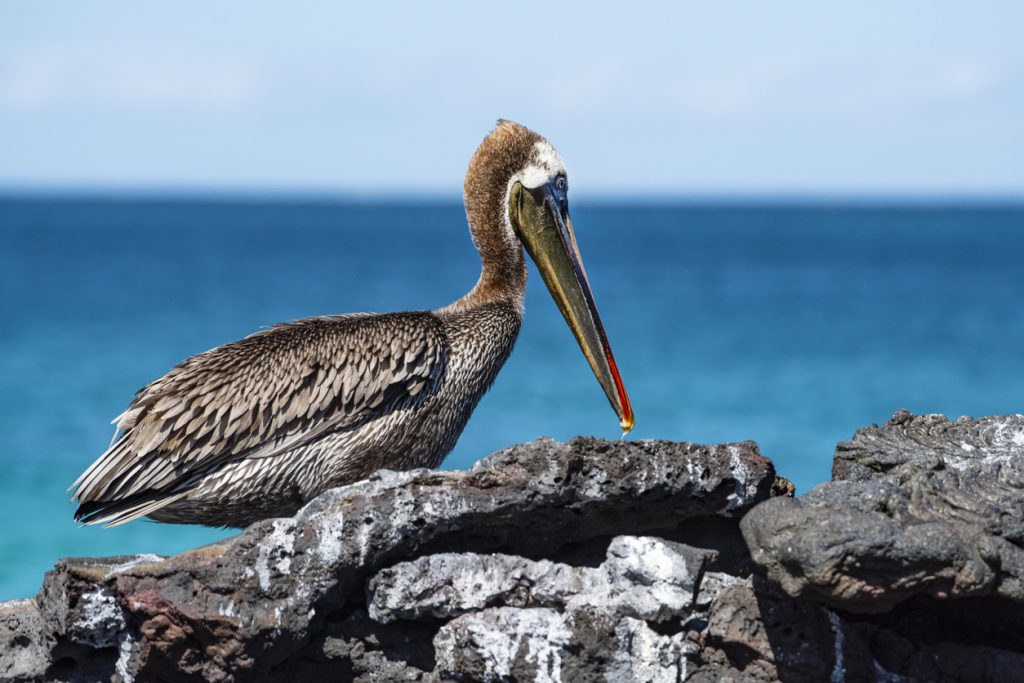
x=922, y=505
x=511, y=618
x=646, y=578
x=587, y=561
x=24, y=642
x=279, y=597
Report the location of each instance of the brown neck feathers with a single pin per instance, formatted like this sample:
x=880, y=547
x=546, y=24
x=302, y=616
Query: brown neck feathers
x=503, y=153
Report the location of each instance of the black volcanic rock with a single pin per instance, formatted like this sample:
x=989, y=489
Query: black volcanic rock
x=587, y=561
x=921, y=505
x=287, y=594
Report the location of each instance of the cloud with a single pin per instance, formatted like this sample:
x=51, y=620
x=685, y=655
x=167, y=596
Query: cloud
x=125, y=76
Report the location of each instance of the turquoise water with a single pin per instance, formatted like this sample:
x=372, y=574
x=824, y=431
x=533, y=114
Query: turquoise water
x=790, y=325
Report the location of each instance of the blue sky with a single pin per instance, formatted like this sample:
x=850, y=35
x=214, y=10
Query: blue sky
x=734, y=98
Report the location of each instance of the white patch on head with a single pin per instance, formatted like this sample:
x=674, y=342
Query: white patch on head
x=545, y=164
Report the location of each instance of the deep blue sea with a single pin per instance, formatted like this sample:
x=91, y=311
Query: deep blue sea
x=790, y=325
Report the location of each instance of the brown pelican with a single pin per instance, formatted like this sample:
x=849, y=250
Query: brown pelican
x=258, y=427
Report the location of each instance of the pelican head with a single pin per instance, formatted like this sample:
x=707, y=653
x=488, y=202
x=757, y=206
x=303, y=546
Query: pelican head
x=527, y=174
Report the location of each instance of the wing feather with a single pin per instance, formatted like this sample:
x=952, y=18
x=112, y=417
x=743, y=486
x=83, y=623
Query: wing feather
x=258, y=397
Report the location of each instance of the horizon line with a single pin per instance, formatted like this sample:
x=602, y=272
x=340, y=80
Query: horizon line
x=313, y=195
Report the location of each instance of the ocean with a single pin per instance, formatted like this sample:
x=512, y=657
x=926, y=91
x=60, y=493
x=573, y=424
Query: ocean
x=789, y=324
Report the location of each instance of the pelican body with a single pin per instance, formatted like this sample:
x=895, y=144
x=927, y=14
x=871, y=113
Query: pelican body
x=259, y=427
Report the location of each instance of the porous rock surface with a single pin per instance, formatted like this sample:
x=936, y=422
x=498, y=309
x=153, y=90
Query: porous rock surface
x=286, y=597
x=921, y=505
x=587, y=561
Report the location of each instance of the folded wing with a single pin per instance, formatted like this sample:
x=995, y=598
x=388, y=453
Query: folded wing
x=256, y=398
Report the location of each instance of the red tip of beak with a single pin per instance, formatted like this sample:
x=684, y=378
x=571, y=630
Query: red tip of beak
x=627, y=420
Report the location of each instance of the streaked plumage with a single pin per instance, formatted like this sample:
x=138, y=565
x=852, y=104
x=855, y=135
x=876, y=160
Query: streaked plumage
x=256, y=428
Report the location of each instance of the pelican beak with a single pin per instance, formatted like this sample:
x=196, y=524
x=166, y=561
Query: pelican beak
x=541, y=219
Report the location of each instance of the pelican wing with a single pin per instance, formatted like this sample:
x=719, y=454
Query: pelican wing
x=258, y=397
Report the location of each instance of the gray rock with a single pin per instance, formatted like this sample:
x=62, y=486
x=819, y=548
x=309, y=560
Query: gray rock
x=639, y=616
x=504, y=643
x=924, y=506
x=757, y=633
x=641, y=654
x=543, y=644
x=517, y=619
x=359, y=649
x=588, y=561
x=450, y=584
x=767, y=636
x=24, y=643
x=254, y=605
x=910, y=444
x=646, y=578
x=746, y=631
x=99, y=619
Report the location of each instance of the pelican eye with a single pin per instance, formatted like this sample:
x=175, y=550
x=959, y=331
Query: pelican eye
x=562, y=183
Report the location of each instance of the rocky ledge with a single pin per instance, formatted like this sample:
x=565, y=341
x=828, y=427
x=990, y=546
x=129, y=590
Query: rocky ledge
x=592, y=560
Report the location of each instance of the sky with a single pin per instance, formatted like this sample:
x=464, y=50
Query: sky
x=643, y=98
